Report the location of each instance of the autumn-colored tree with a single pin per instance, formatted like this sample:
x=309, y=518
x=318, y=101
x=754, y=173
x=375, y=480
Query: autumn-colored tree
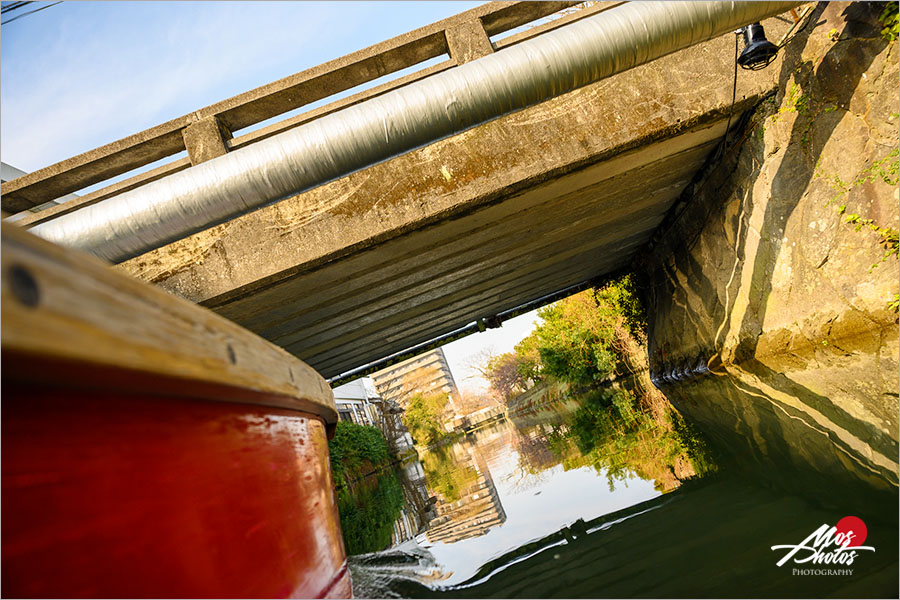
x=471, y=400
x=505, y=377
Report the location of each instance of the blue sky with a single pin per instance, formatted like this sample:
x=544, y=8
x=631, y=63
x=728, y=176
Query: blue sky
x=82, y=74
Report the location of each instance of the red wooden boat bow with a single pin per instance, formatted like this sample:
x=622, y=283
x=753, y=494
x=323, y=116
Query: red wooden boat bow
x=151, y=448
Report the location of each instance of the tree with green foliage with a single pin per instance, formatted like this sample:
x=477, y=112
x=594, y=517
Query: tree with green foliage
x=573, y=341
x=620, y=302
x=424, y=417
x=584, y=338
x=529, y=359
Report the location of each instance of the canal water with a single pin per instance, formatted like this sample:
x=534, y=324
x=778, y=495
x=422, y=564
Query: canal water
x=594, y=495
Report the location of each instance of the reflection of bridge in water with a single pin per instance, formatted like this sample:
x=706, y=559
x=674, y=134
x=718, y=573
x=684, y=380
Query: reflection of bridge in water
x=479, y=419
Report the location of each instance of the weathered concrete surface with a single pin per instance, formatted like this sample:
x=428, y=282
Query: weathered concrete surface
x=470, y=226
x=764, y=281
x=468, y=41
x=205, y=140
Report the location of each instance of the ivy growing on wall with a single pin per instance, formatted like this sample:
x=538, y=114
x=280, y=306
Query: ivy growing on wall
x=886, y=170
x=889, y=20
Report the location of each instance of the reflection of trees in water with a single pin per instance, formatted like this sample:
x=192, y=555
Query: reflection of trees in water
x=592, y=346
x=417, y=510
x=385, y=509
x=536, y=455
x=446, y=475
x=619, y=434
x=534, y=448
x=368, y=512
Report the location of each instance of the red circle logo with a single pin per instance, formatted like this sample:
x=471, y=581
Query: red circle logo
x=854, y=530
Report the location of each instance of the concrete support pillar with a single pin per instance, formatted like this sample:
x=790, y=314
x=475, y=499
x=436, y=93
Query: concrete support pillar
x=205, y=139
x=467, y=41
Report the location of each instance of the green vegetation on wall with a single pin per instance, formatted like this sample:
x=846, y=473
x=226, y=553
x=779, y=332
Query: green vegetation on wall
x=355, y=451
x=886, y=171
x=889, y=20
x=368, y=505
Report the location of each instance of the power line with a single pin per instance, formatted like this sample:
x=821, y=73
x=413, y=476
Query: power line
x=13, y=6
x=31, y=12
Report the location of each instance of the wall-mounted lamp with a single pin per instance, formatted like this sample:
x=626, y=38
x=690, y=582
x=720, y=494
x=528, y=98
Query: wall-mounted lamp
x=758, y=51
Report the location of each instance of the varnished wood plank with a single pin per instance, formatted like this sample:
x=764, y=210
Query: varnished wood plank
x=64, y=305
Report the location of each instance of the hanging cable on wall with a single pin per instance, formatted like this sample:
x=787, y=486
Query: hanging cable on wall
x=733, y=98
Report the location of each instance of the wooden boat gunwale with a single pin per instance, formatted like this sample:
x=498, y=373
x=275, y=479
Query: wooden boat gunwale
x=88, y=311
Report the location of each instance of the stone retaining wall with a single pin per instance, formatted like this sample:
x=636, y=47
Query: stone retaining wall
x=773, y=308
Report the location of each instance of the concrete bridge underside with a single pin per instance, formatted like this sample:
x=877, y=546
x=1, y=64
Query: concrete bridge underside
x=472, y=225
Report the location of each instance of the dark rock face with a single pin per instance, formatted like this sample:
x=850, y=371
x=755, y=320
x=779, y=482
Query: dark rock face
x=771, y=294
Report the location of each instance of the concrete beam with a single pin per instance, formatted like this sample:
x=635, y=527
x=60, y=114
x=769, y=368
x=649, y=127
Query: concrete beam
x=467, y=41
x=486, y=265
x=504, y=229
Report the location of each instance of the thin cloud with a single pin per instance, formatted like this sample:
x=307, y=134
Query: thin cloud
x=67, y=97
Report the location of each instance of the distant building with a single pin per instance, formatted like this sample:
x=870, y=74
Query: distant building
x=357, y=402
x=426, y=373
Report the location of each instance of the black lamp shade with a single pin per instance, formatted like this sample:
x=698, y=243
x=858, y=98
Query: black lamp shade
x=758, y=51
